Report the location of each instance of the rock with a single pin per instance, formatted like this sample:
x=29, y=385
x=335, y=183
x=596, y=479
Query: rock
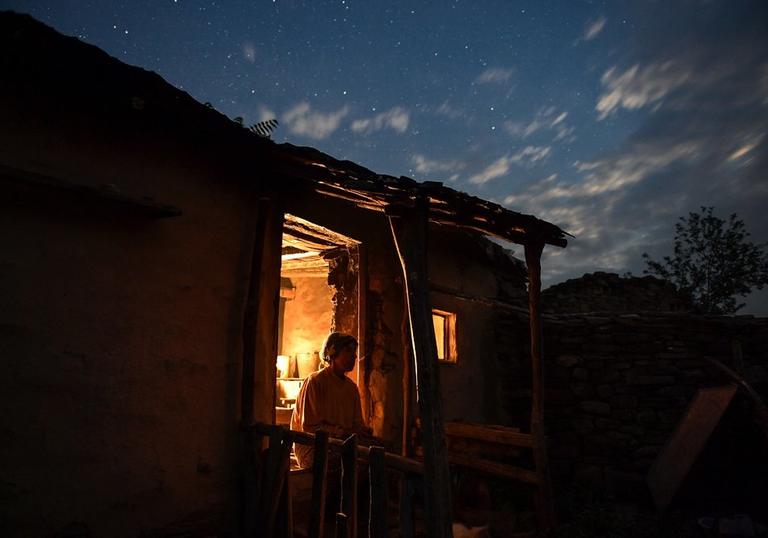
x=567, y=361
x=595, y=407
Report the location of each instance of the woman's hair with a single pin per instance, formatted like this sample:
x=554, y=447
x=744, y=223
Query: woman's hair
x=335, y=343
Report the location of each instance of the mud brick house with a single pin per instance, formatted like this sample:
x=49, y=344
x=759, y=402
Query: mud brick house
x=167, y=277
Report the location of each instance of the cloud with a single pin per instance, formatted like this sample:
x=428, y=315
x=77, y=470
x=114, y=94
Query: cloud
x=527, y=156
x=593, y=28
x=301, y=120
x=396, y=119
x=531, y=154
x=498, y=168
x=640, y=86
x=546, y=119
x=700, y=92
x=450, y=111
x=494, y=75
x=265, y=113
x=423, y=165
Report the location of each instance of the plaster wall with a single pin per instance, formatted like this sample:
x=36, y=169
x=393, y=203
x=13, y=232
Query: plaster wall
x=307, y=317
x=121, y=339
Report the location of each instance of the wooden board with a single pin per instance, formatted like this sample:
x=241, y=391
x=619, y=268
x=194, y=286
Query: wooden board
x=676, y=458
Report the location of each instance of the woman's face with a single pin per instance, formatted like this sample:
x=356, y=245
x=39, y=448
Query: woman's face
x=346, y=358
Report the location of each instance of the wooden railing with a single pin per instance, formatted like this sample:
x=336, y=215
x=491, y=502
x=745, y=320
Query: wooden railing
x=268, y=510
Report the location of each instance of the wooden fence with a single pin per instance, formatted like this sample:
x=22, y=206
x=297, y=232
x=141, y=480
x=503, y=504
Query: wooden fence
x=268, y=506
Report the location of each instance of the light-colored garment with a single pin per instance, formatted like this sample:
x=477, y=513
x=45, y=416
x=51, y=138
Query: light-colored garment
x=325, y=401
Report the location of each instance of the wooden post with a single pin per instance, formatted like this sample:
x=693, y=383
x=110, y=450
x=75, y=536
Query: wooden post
x=283, y=468
x=262, y=305
x=405, y=446
x=544, y=512
x=406, y=507
x=319, y=485
x=377, y=515
x=349, y=483
x=409, y=232
x=341, y=525
x=269, y=476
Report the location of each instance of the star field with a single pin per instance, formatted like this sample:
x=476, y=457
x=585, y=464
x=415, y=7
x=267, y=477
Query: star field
x=610, y=119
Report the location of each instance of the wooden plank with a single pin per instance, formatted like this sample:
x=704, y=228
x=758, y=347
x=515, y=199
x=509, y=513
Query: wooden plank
x=269, y=476
x=676, y=458
x=349, y=483
x=379, y=499
x=409, y=232
x=544, y=508
x=281, y=479
x=491, y=434
x=319, y=485
x=497, y=469
x=406, y=507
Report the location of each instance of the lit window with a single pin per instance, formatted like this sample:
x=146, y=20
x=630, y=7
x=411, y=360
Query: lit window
x=445, y=335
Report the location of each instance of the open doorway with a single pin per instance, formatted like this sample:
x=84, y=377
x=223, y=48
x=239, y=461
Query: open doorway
x=319, y=293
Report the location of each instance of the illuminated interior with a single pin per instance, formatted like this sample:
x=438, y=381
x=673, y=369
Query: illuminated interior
x=307, y=309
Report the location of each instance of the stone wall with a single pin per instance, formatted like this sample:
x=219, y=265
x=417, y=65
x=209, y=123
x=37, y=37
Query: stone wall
x=617, y=385
x=608, y=292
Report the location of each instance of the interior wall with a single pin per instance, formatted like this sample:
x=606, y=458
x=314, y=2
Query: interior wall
x=308, y=316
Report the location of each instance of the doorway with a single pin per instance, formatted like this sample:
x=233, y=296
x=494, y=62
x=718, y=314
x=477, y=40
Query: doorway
x=319, y=293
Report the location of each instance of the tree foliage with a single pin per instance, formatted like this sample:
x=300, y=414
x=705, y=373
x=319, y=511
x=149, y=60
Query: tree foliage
x=713, y=262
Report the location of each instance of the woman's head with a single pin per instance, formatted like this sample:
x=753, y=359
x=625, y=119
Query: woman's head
x=335, y=343
x=340, y=352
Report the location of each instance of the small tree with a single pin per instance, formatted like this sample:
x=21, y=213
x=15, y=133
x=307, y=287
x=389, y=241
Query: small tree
x=713, y=262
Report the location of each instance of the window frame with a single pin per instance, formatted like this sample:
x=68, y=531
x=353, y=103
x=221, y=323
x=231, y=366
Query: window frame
x=449, y=336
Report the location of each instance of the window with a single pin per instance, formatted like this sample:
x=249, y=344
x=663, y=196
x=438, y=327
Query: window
x=445, y=335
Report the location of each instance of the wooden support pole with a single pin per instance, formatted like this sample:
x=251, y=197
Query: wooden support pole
x=379, y=499
x=281, y=477
x=406, y=507
x=409, y=232
x=270, y=466
x=405, y=446
x=544, y=511
x=319, y=485
x=341, y=525
x=349, y=483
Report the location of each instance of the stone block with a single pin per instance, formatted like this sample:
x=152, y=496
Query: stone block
x=567, y=361
x=605, y=391
x=607, y=423
x=646, y=416
x=590, y=476
x=624, y=401
x=580, y=374
x=595, y=407
x=646, y=380
x=582, y=390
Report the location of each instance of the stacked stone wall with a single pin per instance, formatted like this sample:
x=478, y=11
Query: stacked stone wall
x=616, y=385
x=608, y=292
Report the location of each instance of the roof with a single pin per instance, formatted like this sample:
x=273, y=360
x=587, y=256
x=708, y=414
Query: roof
x=35, y=56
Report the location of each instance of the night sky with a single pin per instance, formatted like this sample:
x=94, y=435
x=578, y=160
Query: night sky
x=610, y=119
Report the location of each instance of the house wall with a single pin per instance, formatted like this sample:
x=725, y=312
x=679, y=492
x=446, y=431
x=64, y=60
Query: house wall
x=121, y=336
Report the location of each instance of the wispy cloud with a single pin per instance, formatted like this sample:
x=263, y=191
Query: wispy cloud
x=494, y=75
x=593, y=28
x=266, y=113
x=424, y=165
x=498, y=168
x=546, y=119
x=640, y=86
x=527, y=156
x=396, y=119
x=301, y=120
